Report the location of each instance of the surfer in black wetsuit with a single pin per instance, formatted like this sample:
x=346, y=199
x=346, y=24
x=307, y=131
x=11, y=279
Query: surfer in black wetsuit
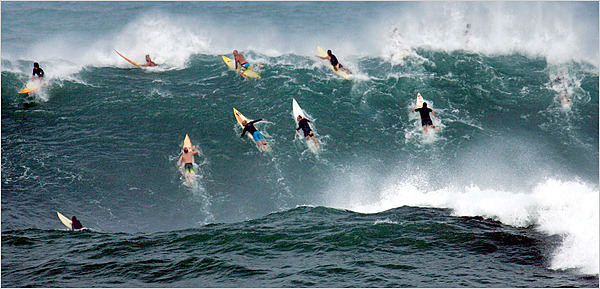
x=334, y=61
x=37, y=71
x=258, y=138
x=308, y=133
x=75, y=224
x=425, y=119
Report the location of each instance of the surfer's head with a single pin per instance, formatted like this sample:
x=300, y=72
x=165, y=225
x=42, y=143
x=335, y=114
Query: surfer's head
x=36, y=65
x=244, y=122
x=329, y=52
x=424, y=104
x=299, y=118
x=185, y=150
x=235, y=52
x=147, y=57
x=73, y=219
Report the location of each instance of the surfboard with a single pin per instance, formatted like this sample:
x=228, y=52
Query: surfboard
x=239, y=117
x=66, y=221
x=419, y=100
x=231, y=64
x=130, y=61
x=296, y=110
x=339, y=72
x=187, y=143
x=31, y=86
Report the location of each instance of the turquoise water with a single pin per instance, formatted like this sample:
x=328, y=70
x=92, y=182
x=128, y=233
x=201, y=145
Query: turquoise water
x=505, y=194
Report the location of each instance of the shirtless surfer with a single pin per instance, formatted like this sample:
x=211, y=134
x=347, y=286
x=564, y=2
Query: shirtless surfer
x=149, y=62
x=187, y=157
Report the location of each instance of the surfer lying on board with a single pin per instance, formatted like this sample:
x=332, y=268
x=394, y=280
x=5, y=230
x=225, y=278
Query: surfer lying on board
x=37, y=71
x=308, y=133
x=425, y=119
x=149, y=62
x=75, y=224
x=334, y=62
x=258, y=138
x=187, y=157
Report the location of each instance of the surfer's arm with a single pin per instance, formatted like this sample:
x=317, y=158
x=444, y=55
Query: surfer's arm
x=243, y=132
x=255, y=121
x=180, y=159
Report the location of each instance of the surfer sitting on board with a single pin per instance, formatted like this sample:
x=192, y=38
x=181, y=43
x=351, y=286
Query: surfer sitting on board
x=187, y=157
x=308, y=133
x=425, y=119
x=149, y=62
x=37, y=71
x=75, y=224
x=334, y=62
x=258, y=138
x=244, y=65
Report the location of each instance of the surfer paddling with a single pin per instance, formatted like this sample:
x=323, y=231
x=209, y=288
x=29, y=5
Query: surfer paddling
x=258, y=138
x=187, y=157
x=425, y=119
x=334, y=61
x=308, y=133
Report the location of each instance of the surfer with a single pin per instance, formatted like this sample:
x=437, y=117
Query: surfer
x=239, y=58
x=37, y=71
x=187, y=157
x=564, y=93
x=308, y=133
x=425, y=119
x=258, y=138
x=75, y=224
x=334, y=62
x=149, y=62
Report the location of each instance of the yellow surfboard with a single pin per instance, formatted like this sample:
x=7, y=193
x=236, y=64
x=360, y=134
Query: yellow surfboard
x=239, y=117
x=187, y=143
x=32, y=86
x=130, y=61
x=248, y=72
x=339, y=72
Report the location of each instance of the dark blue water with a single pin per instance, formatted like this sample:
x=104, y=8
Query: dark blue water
x=504, y=194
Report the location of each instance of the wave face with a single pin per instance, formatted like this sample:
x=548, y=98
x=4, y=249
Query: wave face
x=508, y=183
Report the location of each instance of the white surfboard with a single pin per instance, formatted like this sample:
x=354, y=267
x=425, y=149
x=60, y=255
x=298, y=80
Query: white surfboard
x=296, y=111
x=66, y=221
x=419, y=100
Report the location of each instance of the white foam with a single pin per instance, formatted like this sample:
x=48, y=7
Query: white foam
x=568, y=209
